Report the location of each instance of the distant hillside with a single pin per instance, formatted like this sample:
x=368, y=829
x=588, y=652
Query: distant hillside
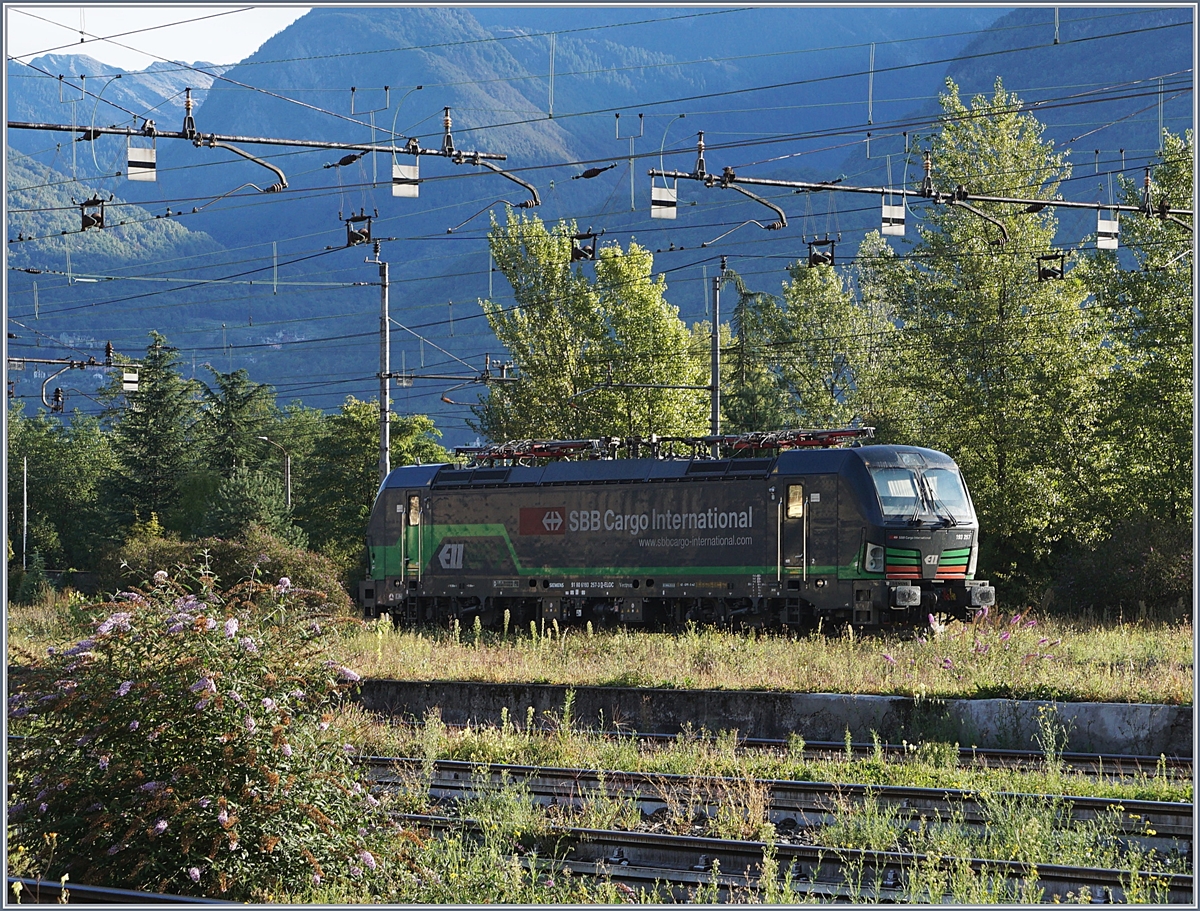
x=43, y=206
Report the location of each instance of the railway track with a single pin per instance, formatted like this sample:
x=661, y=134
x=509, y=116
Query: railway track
x=40, y=892
x=796, y=808
x=1095, y=764
x=681, y=865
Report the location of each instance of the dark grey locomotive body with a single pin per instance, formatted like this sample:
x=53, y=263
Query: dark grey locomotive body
x=873, y=536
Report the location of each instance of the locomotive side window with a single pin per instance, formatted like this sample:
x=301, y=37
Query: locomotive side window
x=414, y=510
x=795, y=501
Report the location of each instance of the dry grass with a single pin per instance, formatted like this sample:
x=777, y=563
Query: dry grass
x=1000, y=657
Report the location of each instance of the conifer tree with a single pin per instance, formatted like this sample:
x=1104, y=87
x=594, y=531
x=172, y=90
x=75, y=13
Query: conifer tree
x=153, y=439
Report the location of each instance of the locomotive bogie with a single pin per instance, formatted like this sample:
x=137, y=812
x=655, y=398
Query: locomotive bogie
x=873, y=536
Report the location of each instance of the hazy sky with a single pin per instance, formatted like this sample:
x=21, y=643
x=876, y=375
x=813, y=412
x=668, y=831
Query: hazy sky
x=217, y=34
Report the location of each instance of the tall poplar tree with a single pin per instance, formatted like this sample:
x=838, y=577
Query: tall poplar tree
x=579, y=345
x=993, y=366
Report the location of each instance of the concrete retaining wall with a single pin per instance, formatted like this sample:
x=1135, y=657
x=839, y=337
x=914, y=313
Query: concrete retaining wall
x=1118, y=728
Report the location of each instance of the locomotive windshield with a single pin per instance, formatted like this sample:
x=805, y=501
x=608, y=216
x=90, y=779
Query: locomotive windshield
x=934, y=493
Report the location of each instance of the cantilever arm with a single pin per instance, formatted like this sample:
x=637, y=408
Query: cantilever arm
x=984, y=216
x=527, y=204
x=774, y=226
x=212, y=143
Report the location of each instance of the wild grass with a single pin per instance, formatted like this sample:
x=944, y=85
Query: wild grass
x=1014, y=656
x=1009, y=656
x=1047, y=659
x=697, y=753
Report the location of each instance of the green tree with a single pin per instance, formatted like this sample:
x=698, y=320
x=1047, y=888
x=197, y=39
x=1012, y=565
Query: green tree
x=340, y=483
x=1148, y=394
x=575, y=342
x=753, y=396
x=152, y=439
x=994, y=367
x=66, y=464
x=235, y=413
x=250, y=497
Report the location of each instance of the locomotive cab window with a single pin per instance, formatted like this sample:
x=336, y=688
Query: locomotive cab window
x=414, y=510
x=795, y=501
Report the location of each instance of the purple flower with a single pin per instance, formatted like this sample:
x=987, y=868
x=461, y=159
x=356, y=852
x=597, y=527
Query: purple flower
x=223, y=817
x=210, y=624
x=947, y=663
x=346, y=674
x=203, y=685
x=160, y=827
x=81, y=647
x=194, y=874
x=160, y=577
x=285, y=585
x=118, y=621
x=323, y=726
x=250, y=725
x=124, y=688
x=113, y=849
x=94, y=808
x=203, y=803
x=356, y=871
x=983, y=613
x=268, y=703
x=316, y=879
x=1015, y=620
x=133, y=725
x=202, y=704
x=231, y=627
x=371, y=801
x=1005, y=636
x=367, y=858
x=1030, y=623
x=236, y=697
x=104, y=762
x=248, y=645
x=348, y=748
x=151, y=786
x=287, y=750
x=42, y=807
x=888, y=658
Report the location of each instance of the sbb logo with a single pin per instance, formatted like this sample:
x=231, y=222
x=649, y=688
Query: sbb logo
x=584, y=519
x=543, y=520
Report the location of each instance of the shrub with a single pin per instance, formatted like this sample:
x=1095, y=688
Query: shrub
x=183, y=747
x=254, y=554
x=1144, y=566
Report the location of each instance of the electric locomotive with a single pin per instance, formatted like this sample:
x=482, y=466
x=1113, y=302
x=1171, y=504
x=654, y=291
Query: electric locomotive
x=868, y=535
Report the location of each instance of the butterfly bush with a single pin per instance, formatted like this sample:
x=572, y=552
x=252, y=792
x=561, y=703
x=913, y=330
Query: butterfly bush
x=180, y=745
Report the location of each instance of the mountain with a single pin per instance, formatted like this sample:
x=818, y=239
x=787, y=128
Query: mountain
x=79, y=89
x=789, y=93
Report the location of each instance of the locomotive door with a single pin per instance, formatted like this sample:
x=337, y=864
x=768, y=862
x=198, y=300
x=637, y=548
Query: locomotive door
x=808, y=526
x=412, y=545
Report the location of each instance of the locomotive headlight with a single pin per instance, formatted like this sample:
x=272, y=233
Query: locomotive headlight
x=874, y=559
